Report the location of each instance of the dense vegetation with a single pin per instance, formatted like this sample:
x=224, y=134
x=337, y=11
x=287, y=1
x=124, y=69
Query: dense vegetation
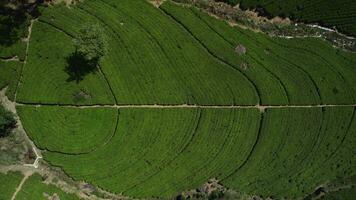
x=69, y=130
x=8, y=185
x=7, y=122
x=9, y=77
x=339, y=14
x=174, y=55
x=160, y=152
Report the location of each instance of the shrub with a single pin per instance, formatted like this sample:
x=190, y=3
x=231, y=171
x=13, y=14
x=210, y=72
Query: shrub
x=7, y=122
x=90, y=43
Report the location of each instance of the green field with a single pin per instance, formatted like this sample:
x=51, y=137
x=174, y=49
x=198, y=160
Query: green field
x=159, y=152
x=9, y=76
x=174, y=103
x=9, y=183
x=340, y=14
x=36, y=189
x=68, y=130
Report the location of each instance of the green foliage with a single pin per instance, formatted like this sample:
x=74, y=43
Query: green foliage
x=35, y=189
x=57, y=84
x=140, y=69
x=342, y=194
x=9, y=77
x=9, y=182
x=7, y=122
x=69, y=130
x=179, y=55
x=283, y=71
x=328, y=12
x=161, y=152
x=13, y=28
x=91, y=42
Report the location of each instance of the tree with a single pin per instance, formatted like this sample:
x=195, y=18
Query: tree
x=91, y=43
x=7, y=122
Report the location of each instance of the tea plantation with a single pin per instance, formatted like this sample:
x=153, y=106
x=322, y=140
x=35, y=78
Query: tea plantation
x=9, y=182
x=340, y=14
x=182, y=97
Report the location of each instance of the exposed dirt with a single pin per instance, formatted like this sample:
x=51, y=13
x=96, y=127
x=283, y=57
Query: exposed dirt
x=156, y=3
x=240, y=49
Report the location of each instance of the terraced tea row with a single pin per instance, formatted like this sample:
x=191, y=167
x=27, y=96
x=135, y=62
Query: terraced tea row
x=180, y=56
x=9, y=77
x=67, y=130
x=284, y=71
x=177, y=101
x=139, y=66
x=161, y=152
x=299, y=149
x=47, y=76
x=327, y=12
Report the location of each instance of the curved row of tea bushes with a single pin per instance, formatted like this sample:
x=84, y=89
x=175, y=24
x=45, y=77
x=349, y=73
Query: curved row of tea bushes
x=161, y=152
x=69, y=130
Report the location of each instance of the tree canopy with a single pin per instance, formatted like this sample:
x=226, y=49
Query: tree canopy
x=91, y=43
x=7, y=122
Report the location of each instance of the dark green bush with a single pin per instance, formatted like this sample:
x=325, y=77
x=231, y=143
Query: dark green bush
x=7, y=122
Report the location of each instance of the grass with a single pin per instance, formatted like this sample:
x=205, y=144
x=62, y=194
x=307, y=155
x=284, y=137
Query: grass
x=327, y=13
x=36, y=189
x=9, y=77
x=68, y=130
x=9, y=182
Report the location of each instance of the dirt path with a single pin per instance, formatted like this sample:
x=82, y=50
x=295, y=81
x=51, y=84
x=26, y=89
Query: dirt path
x=159, y=106
x=27, y=174
x=11, y=106
x=14, y=59
x=26, y=54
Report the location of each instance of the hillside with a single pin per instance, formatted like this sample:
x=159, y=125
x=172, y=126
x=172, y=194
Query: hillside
x=340, y=14
x=181, y=98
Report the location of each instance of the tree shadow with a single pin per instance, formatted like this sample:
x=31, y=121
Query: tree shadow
x=78, y=67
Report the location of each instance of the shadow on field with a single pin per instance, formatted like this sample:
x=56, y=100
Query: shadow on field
x=78, y=67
